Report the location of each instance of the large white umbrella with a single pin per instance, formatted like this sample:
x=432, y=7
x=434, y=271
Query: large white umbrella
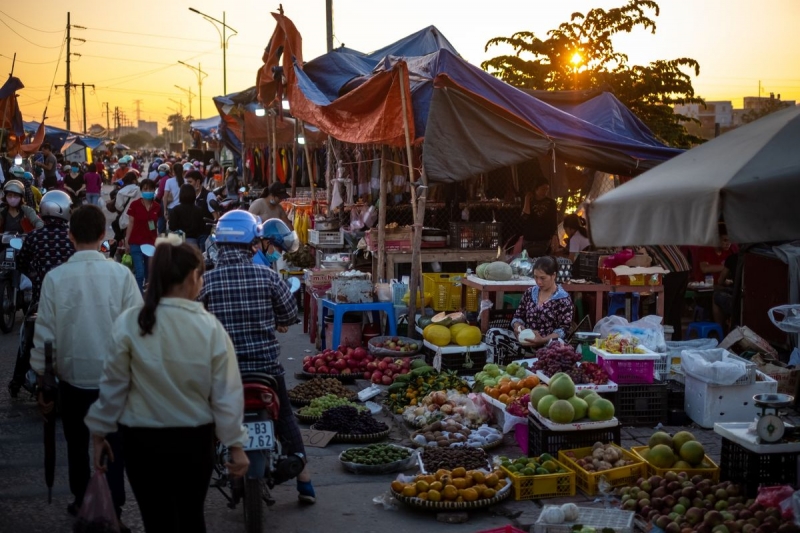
x=750, y=176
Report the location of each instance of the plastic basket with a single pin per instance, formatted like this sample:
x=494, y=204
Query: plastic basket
x=627, y=368
x=325, y=238
x=617, y=477
x=641, y=404
x=542, y=440
x=543, y=486
x=585, y=266
x=752, y=469
x=600, y=519
x=466, y=360
x=504, y=529
x=708, y=473
x=445, y=290
x=469, y=235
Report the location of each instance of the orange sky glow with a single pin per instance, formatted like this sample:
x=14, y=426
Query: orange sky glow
x=132, y=53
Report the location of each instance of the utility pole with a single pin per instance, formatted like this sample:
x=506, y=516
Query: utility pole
x=108, y=118
x=329, y=24
x=189, y=95
x=180, y=105
x=67, y=83
x=116, y=122
x=200, y=76
x=83, y=94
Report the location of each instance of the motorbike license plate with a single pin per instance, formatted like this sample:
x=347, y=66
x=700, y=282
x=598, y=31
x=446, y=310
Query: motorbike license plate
x=262, y=435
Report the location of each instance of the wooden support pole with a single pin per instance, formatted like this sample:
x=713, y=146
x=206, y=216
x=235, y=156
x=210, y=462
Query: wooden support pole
x=293, y=161
x=384, y=177
x=274, y=123
x=311, y=180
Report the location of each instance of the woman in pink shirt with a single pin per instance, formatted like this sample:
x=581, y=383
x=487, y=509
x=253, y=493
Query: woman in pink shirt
x=94, y=185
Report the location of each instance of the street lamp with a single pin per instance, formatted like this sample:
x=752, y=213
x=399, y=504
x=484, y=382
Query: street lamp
x=200, y=76
x=223, y=43
x=190, y=94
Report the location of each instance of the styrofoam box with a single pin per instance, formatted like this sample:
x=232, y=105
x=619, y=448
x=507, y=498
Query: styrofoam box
x=708, y=404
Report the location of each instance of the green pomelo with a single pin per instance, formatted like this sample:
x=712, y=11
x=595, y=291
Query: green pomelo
x=581, y=407
x=692, y=452
x=561, y=412
x=681, y=438
x=544, y=405
x=660, y=437
x=661, y=456
x=538, y=392
x=562, y=387
x=601, y=410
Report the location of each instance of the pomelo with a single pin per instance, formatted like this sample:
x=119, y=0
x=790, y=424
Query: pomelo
x=692, y=452
x=561, y=412
x=681, y=465
x=538, y=392
x=661, y=456
x=544, y=405
x=601, y=410
x=584, y=393
x=591, y=398
x=659, y=437
x=562, y=387
x=681, y=438
x=580, y=407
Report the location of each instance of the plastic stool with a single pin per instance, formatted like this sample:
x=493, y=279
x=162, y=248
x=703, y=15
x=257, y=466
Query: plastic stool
x=703, y=330
x=512, y=299
x=616, y=302
x=339, y=309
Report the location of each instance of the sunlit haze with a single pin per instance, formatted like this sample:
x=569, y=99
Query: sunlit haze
x=132, y=50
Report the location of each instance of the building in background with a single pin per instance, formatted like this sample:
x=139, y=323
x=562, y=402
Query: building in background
x=149, y=126
x=718, y=116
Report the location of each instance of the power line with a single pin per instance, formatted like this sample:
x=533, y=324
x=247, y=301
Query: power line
x=30, y=62
x=154, y=35
x=30, y=27
x=25, y=39
x=139, y=46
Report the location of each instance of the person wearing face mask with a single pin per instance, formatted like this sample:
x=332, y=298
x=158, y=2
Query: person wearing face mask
x=74, y=183
x=163, y=175
x=141, y=230
x=94, y=184
x=276, y=238
x=187, y=217
x=15, y=216
x=269, y=205
x=203, y=198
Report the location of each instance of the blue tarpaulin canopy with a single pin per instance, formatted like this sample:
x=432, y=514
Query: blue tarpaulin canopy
x=58, y=137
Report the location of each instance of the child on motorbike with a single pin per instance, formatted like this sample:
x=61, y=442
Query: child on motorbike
x=253, y=302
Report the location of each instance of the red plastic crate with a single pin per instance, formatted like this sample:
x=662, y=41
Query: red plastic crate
x=504, y=529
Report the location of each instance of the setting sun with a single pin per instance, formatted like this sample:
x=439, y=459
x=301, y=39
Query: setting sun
x=576, y=59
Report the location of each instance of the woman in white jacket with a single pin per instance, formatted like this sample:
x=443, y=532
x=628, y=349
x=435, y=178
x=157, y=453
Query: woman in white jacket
x=171, y=383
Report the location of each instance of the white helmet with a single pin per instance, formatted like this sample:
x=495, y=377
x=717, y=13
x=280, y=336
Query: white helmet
x=55, y=204
x=163, y=167
x=17, y=171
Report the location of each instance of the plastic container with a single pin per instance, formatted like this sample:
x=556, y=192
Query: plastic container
x=351, y=331
x=461, y=359
x=325, y=238
x=542, y=440
x=521, y=436
x=753, y=469
x=446, y=292
x=543, y=486
x=580, y=425
x=608, y=387
x=588, y=482
x=627, y=368
x=470, y=235
x=708, y=473
x=600, y=519
x=641, y=405
x=708, y=404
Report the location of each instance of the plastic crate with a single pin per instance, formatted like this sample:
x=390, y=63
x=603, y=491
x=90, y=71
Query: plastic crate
x=588, y=482
x=676, y=397
x=752, y=469
x=464, y=360
x=445, y=291
x=504, y=529
x=398, y=291
x=542, y=440
x=543, y=486
x=709, y=473
x=641, y=405
x=600, y=519
x=627, y=368
x=325, y=238
x=470, y=235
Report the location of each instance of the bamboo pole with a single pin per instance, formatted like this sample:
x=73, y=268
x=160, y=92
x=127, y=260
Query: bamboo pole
x=274, y=150
x=311, y=180
x=384, y=175
x=293, y=161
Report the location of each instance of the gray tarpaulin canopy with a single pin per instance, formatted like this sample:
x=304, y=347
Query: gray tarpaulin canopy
x=750, y=176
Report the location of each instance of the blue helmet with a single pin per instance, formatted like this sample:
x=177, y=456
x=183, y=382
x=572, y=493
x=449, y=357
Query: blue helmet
x=237, y=227
x=278, y=234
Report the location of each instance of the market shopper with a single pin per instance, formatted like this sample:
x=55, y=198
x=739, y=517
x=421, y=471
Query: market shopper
x=141, y=229
x=540, y=218
x=50, y=167
x=170, y=384
x=94, y=184
x=187, y=218
x=269, y=204
x=575, y=228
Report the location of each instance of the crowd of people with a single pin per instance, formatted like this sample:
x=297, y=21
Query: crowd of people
x=167, y=381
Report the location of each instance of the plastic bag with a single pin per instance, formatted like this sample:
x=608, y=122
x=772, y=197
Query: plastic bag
x=788, y=319
x=97, y=514
x=605, y=325
x=779, y=496
x=648, y=330
x=127, y=261
x=712, y=366
x=676, y=348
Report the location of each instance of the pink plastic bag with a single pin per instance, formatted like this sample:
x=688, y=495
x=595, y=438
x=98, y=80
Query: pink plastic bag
x=97, y=514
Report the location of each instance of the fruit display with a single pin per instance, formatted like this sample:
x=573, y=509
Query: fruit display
x=558, y=357
x=543, y=465
x=678, y=503
x=318, y=387
x=441, y=319
x=402, y=345
x=385, y=371
x=422, y=381
x=491, y=374
x=322, y=404
x=568, y=512
x=345, y=361
x=450, y=434
x=519, y=406
x=434, y=459
x=603, y=457
x=559, y=402
x=619, y=343
x=508, y=390
x=458, y=485
x=678, y=452
x=376, y=454
x=451, y=405
x=458, y=333
x=349, y=421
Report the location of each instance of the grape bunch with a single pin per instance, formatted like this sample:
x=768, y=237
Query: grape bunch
x=348, y=420
x=322, y=404
x=556, y=358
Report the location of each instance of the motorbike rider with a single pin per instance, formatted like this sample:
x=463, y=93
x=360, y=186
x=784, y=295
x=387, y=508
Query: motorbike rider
x=18, y=173
x=276, y=238
x=43, y=250
x=15, y=216
x=253, y=302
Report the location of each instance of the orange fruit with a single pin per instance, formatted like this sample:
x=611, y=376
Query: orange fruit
x=491, y=480
x=494, y=393
x=450, y=493
x=397, y=486
x=439, y=473
x=477, y=476
x=524, y=390
x=459, y=472
x=436, y=486
x=470, y=495
x=503, y=398
x=422, y=486
x=434, y=495
x=505, y=388
x=505, y=379
x=409, y=491
x=460, y=483
x=488, y=493
x=422, y=496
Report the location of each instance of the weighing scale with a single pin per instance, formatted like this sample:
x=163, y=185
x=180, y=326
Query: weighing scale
x=770, y=427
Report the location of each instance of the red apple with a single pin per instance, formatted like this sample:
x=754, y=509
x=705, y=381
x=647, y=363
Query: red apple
x=349, y=351
x=323, y=370
x=334, y=371
x=340, y=364
x=393, y=367
x=311, y=370
x=347, y=371
x=406, y=364
x=386, y=380
x=352, y=363
x=372, y=366
x=388, y=373
x=404, y=371
x=383, y=365
x=376, y=375
x=342, y=348
x=367, y=375
x=308, y=360
x=359, y=354
x=377, y=378
x=387, y=360
x=319, y=363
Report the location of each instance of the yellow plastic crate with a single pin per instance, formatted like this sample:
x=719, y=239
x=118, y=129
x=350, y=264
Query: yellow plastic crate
x=543, y=486
x=616, y=477
x=710, y=473
x=445, y=290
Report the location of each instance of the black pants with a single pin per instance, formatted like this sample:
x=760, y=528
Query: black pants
x=75, y=403
x=169, y=470
x=286, y=426
x=675, y=285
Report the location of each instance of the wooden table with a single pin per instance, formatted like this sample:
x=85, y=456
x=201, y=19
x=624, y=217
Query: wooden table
x=441, y=255
x=494, y=290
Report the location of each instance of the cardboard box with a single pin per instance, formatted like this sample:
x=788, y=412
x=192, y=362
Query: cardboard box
x=744, y=339
x=787, y=378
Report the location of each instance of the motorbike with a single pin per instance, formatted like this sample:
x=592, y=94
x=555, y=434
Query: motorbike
x=269, y=463
x=16, y=290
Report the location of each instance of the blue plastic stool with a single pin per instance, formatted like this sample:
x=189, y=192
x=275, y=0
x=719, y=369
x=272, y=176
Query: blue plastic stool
x=703, y=330
x=616, y=302
x=339, y=311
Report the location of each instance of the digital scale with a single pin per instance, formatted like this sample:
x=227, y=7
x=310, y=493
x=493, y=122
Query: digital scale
x=770, y=427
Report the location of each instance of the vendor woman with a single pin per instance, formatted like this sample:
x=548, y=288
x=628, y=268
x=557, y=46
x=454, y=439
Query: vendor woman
x=546, y=307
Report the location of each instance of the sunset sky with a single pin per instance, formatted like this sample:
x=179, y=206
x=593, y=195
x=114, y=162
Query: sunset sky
x=131, y=50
